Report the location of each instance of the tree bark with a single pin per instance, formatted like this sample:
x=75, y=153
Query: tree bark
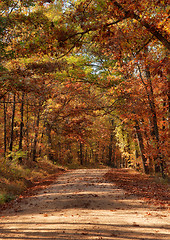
x=27, y=130
x=36, y=137
x=155, y=131
x=141, y=146
x=21, y=125
x=12, y=126
x=5, y=131
x=81, y=153
x=111, y=146
x=49, y=141
x=153, y=116
x=152, y=29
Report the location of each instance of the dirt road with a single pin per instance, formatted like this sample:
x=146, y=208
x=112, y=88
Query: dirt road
x=80, y=204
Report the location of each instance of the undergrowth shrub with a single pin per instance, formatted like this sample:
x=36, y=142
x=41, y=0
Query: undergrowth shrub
x=4, y=197
x=15, y=178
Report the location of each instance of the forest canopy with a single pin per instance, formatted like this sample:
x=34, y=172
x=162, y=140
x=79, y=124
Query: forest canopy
x=85, y=82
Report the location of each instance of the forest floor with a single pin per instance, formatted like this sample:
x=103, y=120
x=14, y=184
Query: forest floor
x=89, y=204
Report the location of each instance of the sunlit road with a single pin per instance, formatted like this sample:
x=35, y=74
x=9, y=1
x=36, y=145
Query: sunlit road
x=81, y=204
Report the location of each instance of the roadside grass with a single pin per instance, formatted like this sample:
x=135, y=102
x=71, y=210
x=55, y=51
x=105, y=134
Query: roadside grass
x=16, y=178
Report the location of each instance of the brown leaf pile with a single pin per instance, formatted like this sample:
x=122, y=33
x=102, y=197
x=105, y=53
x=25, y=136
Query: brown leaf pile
x=141, y=185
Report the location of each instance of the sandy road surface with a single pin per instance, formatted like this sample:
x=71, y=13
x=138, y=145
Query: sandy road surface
x=80, y=204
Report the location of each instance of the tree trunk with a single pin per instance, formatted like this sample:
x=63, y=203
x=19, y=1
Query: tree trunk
x=153, y=116
x=81, y=153
x=59, y=157
x=155, y=131
x=5, y=131
x=151, y=164
x=111, y=146
x=27, y=130
x=152, y=29
x=141, y=146
x=12, y=126
x=36, y=137
x=21, y=125
x=169, y=105
x=110, y=150
x=49, y=141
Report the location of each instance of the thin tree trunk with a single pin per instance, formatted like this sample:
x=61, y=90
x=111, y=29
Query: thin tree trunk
x=81, y=153
x=155, y=131
x=169, y=105
x=86, y=156
x=59, y=152
x=5, y=131
x=21, y=125
x=36, y=137
x=110, y=150
x=111, y=145
x=27, y=131
x=141, y=146
x=103, y=153
x=49, y=141
x=151, y=164
x=12, y=126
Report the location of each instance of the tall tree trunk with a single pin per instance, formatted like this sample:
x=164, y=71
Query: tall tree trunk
x=81, y=153
x=111, y=146
x=169, y=105
x=151, y=102
x=59, y=157
x=155, y=131
x=27, y=130
x=21, y=125
x=36, y=137
x=91, y=154
x=151, y=164
x=12, y=125
x=49, y=141
x=103, y=153
x=141, y=146
x=110, y=150
x=86, y=156
x=5, y=131
x=153, y=117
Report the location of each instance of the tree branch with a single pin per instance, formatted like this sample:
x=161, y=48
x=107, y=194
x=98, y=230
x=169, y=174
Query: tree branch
x=152, y=29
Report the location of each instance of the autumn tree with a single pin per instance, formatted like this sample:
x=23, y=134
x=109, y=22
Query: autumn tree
x=135, y=35
x=67, y=66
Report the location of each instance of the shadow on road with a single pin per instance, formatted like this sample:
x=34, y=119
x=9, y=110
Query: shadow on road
x=81, y=204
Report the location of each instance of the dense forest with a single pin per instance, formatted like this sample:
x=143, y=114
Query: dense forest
x=84, y=83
